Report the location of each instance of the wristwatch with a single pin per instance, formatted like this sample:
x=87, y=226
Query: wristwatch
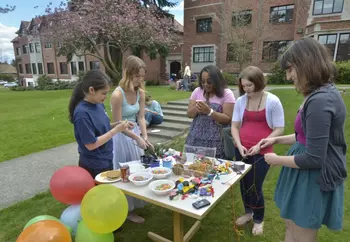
x=211, y=112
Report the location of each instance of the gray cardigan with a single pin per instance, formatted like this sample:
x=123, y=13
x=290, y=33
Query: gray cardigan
x=323, y=117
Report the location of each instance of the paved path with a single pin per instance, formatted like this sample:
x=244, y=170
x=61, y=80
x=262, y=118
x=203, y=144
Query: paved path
x=26, y=176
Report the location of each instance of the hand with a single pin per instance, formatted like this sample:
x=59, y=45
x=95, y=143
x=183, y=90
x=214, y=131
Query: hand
x=267, y=142
x=254, y=150
x=149, y=144
x=121, y=127
x=270, y=159
x=141, y=143
x=131, y=125
x=243, y=151
x=202, y=107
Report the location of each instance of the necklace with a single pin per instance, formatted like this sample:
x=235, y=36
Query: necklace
x=256, y=113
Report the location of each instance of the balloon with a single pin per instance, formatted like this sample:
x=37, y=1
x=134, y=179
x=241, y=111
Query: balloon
x=104, y=208
x=71, y=216
x=84, y=234
x=44, y=231
x=70, y=183
x=44, y=217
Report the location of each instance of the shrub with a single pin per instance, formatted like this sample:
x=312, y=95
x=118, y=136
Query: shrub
x=231, y=79
x=151, y=83
x=343, y=69
x=8, y=78
x=194, y=85
x=44, y=81
x=277, y=76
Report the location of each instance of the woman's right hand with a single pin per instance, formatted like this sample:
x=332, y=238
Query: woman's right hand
x=243, y=151
x=141, y=143
x=121, y=127
x=267, y=142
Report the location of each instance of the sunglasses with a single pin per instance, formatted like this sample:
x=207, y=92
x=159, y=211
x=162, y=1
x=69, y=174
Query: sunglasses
x=208, y=83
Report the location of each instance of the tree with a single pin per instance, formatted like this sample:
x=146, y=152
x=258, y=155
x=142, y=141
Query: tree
x=7, y=9
x=159, y=3
x=106, y=29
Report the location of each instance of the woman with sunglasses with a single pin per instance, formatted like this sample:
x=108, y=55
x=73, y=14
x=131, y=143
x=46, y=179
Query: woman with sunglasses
x=211, y=106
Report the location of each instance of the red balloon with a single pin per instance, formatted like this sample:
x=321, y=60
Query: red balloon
x=70, y=183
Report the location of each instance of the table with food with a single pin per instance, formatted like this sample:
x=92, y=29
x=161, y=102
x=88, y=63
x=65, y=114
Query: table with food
x=187, y=188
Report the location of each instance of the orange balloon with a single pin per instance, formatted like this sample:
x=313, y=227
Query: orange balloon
x=45, y=231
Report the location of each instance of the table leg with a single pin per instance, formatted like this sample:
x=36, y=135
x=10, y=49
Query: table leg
x=178, y=227
x=178, y=230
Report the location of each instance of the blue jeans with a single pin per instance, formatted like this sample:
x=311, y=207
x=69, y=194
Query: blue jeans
x=186, y=81
x=153, y=119
x=251, y=186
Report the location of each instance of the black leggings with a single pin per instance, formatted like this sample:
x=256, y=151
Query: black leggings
x=94, y=172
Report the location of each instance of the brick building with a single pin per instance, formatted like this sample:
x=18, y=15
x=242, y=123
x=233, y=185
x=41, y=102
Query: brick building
x=268, y=27
x=36, y=57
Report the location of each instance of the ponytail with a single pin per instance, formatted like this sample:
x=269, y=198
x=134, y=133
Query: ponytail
x=77, y=96
x=95, y=79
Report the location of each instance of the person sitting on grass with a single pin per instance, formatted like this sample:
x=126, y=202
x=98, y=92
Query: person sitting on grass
x=154, y=113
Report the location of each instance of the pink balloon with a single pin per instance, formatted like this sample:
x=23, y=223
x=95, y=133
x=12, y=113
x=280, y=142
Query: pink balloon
x=70, y=183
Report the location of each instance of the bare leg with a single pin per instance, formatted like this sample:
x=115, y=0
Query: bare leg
x=303, y=235
x=289, y=231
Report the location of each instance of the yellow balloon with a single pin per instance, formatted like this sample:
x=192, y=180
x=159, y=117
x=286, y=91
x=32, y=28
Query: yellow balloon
x=104, y=208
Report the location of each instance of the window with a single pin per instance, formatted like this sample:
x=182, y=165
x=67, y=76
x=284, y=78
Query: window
x=328, y=6
x=28, y=69
x=40, y=68
x=34, y=68
x=343, y=52
x=63, y=68
x=25, y=49
x=281, y=14
x=50, y=68
x=73, y=67
x=329, y=41
x=18, y=51
x=37, y=47
x=204, y=25
x=239, y=52
x=31, y=48
x=242, y=18
x=48, y=45
x=203, y=54
x=272, y=50
x=20, y=68
x=94, y=65
x=81, y=66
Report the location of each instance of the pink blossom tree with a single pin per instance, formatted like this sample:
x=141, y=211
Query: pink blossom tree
x=106, y=29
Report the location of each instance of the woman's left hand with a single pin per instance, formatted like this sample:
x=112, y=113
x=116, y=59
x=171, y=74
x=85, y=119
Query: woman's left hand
x=254, y=150
x=271, y=159
x=149, y=144
x=202, y=107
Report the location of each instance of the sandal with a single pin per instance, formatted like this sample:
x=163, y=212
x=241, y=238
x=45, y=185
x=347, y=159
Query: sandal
x=258, y=229
x=244, y=219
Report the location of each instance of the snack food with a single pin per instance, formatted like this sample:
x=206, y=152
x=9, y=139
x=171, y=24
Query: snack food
x=139, y=178
x=163, y=187
x=159, y=172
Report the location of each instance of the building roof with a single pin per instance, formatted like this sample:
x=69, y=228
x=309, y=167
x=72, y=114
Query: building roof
x=7, y=69
x=179, y=27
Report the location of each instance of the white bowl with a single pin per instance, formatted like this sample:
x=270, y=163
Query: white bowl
x=147, y=175
x=154, y=184
x=160, y=176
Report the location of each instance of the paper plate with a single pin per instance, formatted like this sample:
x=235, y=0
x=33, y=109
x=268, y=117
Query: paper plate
x=102, y=178
x=155, y=130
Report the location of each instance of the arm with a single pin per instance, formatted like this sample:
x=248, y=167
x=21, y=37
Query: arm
x=235, y=133
x=192, y=111
x=116, y=102
x=141, y=117
x=226, y=116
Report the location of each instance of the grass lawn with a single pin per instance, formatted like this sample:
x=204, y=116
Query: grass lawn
x=217, y=226
x=38, y=120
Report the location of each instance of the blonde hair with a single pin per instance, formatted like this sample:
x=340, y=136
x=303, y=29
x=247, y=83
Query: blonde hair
x=132, y=66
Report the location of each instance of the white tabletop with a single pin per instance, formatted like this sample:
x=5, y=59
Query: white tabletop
x=183, y=206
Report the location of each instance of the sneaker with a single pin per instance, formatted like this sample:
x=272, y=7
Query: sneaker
x=244, y=219
x=258, y=229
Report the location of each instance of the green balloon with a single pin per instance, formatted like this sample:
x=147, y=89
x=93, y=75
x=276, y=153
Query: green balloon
x=45, y=217
x=84, y=234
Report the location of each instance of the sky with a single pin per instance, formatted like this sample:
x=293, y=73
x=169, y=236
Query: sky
x=26, y=10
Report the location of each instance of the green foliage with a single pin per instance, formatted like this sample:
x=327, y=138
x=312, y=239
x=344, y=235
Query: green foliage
x=151, y=83
x=8, y=78
x=194, y=85
x=230, y=78
x=44, y=81
x=277, y=76
x=343, y=69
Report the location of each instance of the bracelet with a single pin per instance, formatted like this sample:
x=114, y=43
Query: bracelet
x=211, y=112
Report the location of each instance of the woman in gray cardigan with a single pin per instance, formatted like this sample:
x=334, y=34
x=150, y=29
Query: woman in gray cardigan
x=310, y=188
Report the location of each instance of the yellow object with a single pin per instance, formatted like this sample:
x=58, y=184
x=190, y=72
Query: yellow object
x=181, y=179
x=104, y=208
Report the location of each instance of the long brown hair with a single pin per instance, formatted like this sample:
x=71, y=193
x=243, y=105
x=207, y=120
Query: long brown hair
x=312, y=62
x=255, y=76
x=132, y=66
